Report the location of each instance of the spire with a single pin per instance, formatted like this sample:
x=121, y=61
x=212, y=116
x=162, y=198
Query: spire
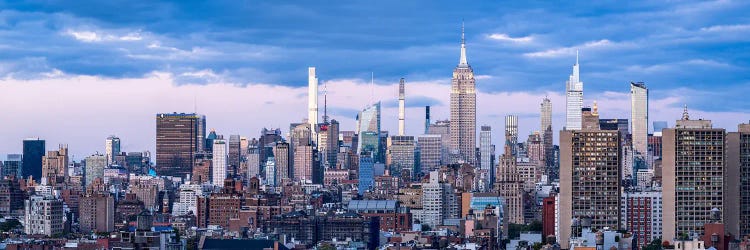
x=576, y=57
x=462, y=61
x=685, y=115
x=325, y=103
x=595, y=109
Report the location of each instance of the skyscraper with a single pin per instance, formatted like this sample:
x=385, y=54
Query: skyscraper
x=692, y=176
x=574, y=99
x=401, y=155
x=303, y=152
x=442, y=128
x=485, y=152
x=219, y=162
x=366, y=174
x=438, y=201
x=547, y=134
x=426, y=119
x=430, y=151
x=511, y=132
x=509, y=184
x=463, y=127
x=233, y=154
x=737, y=193
x=111, y=148
x=590, y=168
x=328, y=139
x=368, y=128
x=401, y=107
x=178, y=137
x=12, y=166
x=33, y=150
x=639, y=117
x=95, y=165
x=312, y=100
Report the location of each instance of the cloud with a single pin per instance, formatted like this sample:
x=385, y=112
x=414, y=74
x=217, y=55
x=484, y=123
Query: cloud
x=94, y=36
x=725, y=28
x=598, y=45
x=507, y=38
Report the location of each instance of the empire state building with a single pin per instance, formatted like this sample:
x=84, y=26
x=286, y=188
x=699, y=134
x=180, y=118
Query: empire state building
x=463, y=123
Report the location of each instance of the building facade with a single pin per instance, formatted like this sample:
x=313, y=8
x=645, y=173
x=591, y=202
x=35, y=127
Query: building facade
x=463, y=110
x=178, y=137
x=574, y=99
x=639, y=117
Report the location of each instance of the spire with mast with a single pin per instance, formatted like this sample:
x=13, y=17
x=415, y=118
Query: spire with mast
x=462, y=61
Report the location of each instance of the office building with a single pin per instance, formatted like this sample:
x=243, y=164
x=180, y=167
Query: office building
x=737, y=183
x=44, y=215
x=55, y=166
x=219, y=162
x=546, y=129
x=282, y=162
x=511, y=132
x=234, y=155
x=426, y=119
x=253, y=161
x=12, y=166
x=95, y=165
x=401, y=155
x=590, y=165
x=692, y=176
x=111, y=148
x=328, y=139
x=430, y=152
x=485, y=155
x=574, y=99
x=442, y=128
x=33, y=151
x=509, y=184
x=463, y=106
x=366, y=173
x=178, y=137
x=368, y=129
x=639, y=117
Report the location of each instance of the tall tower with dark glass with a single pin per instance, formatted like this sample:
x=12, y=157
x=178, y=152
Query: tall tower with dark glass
x=463, y=125
x=33, y=151
x=178, y=137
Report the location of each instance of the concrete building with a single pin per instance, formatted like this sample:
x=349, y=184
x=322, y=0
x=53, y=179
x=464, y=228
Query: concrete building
x=393, y=217
x=234, y=155
x=328, y=143
x=574, y=99
x=737, y=183
x=509, y=185
x=590, y=169
x=463, y=106
x=44, y=215
x=642, y=215
x=639, y=117
x=547, y=134
x=693, y=176
x=111, y=148
x=13, y=166
x=55, y=166
x=401, y=107
x=219, y=162
x=95, y=165
x=511, y=132
x=438, y=201
x=253, y=161
x=282, y=162
x=178, y=137
x=430, y=152
x=442, y=128
x=188, y=199
x=96, y=213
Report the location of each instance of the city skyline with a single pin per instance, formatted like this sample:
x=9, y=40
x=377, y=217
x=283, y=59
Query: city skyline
x=511, y=86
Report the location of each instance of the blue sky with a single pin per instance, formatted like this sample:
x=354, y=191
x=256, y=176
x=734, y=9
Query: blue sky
x=694, y=53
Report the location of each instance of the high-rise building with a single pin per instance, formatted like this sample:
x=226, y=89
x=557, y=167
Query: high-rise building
x=737, y=184
x=234, y=149
x=12, y=166
x=463, y=125
x=368, y=128
x=639, y=117
x=282, y=161
x=511, y=132
x=692, y=176
x=253, y=161
x=642, y=215
x=590, y=168
x=219, y=162
x=366, y=173
x=547, y=134
x=97, y=213
x=430, y=152
x=510, y=185
x=442, y=128
x=573, y=99
x=33, y=151
x=401, y=107
x=401, y=155
x=485, y=153
x=328, y=139
x=111, y=148
x=426, y=119
x=438, y=201
x=178, y=137
x=44, y=215
x=303, y=152
x=268, y=139
x=95, y=165
x=11, y=196
x=55, y=165
x=312, y=101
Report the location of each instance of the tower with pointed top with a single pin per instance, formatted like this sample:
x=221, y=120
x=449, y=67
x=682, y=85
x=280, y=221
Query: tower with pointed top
x=401, y=107
x=574, y=99
x=463, y=109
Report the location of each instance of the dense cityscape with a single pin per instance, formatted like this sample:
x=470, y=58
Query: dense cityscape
x=608, y=183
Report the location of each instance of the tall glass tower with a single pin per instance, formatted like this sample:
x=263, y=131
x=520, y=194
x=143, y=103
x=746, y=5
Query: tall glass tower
x=574, y=99
x=639, y=116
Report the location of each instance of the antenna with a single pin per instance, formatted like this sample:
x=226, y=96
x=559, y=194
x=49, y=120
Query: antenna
x=325, y=103
x=462, y=32
x=195, y=103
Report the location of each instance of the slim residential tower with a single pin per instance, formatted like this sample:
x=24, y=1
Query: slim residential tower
x=574, y=99
x=401, y=107
x=312, y=100
x=639, y=116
